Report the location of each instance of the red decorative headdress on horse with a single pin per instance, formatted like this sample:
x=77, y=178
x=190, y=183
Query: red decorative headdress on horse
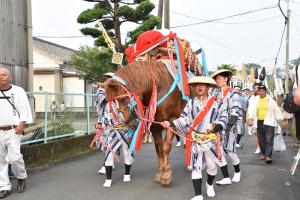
x=151, y=39
x=128, y=52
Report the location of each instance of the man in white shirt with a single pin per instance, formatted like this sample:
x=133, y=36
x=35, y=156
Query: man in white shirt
x=14, y=113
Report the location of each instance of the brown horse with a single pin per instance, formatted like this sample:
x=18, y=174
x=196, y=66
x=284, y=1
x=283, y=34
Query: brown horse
x=138, y=77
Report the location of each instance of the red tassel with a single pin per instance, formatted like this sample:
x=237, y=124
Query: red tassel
x=197, y=120
x=140, y=132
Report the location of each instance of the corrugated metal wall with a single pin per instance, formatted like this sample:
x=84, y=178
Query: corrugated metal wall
x=13, y=39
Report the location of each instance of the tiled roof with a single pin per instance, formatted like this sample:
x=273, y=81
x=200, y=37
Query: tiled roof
x=58, y=51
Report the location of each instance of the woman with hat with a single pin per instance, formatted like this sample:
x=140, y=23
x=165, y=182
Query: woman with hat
x=201, y=120
x=230, y=101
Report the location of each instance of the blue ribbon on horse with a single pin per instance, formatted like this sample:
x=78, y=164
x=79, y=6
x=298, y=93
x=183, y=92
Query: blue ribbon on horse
x=204, y=62
x=119, y=80
x=184, y=97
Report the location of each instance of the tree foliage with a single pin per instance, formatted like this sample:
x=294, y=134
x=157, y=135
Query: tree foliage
x=112, y=14
x=295, y=62
x=230, y=67
x=92, y=62
x=250, y=65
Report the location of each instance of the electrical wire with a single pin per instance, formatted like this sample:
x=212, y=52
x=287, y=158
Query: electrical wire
x=280, y=44
x=222, y=45
x=246, y=22
x=227, y=17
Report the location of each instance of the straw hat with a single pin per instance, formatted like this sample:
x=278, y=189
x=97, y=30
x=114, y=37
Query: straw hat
x=224, y=72
x=203, y=79
x=110, y=74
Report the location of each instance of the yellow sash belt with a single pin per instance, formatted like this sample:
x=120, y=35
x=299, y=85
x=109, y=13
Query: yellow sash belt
x=203, y=138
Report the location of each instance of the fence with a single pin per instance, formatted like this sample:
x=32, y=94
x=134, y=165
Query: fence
x=59, y=115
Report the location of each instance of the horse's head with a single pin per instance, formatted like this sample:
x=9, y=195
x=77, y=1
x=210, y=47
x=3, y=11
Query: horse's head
x=126, y=106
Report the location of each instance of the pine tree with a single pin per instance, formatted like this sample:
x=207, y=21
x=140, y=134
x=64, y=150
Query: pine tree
x=113, y=14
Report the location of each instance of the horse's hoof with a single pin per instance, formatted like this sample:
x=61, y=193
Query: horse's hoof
x=157, y=178
x=166, y=178
x=166, y=181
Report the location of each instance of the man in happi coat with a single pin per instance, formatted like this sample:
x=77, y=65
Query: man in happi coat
x=201, y=120
x=117, y=136
x=230, y=101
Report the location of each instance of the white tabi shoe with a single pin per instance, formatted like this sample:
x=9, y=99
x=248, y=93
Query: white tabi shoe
x=237, y=145
x=224, y=181
x=126, y=178
x=236, y=177
x=210, y=190
x=198, y=197
x=102, y=170
x=107, y=183
x=257, y=151
x=178, y=144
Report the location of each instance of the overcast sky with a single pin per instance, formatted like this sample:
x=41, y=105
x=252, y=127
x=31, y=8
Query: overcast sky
x=249, y=38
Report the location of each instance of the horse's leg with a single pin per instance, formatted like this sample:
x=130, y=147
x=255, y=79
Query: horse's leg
x=158, y=141
x=166, y=178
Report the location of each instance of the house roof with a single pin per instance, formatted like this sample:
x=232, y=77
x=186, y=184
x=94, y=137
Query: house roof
x=58, y=51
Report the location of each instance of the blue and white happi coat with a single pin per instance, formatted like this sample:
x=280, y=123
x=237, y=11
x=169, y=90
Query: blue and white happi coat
x=213, y=116
x=111, y=136
x=231, y=103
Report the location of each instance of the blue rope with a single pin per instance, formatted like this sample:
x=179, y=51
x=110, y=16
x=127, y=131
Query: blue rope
x=119, y=79
x=172, y=88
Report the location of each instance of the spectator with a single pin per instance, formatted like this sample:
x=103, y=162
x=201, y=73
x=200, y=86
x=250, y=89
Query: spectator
x=53, y=109
x=288, y=119
x=241, y=122
x=297, y=96
x=297, y=101
x=253, y=128
x=266, y=111
x=14, y=113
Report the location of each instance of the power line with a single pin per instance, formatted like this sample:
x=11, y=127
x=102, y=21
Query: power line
x=227, y=17
x=246, y=22
x=280, y=44
x=222, y=45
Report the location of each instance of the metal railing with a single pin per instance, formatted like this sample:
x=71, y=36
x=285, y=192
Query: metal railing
x=59, y=115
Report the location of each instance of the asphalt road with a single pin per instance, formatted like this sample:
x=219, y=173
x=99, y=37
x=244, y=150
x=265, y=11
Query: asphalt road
x=77, y=178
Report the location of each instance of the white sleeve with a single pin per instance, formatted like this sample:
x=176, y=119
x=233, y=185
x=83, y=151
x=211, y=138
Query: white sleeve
x=278, y=113
x=252, y=109
x=24, y=107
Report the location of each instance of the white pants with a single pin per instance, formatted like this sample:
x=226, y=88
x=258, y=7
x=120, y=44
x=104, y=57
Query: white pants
x=234, y=158
x=210, y=163
x=10, y=144
x=126, y=153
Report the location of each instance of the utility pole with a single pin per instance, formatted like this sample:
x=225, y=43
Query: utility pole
x=160, y=13
x=166, y=14
x=29, y=46
x=287, y=71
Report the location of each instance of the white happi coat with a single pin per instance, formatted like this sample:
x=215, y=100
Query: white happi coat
x=112, y=137
x=213, y=116
x=231, y=103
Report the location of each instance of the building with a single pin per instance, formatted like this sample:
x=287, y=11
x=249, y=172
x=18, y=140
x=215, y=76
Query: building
x=53, y=73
